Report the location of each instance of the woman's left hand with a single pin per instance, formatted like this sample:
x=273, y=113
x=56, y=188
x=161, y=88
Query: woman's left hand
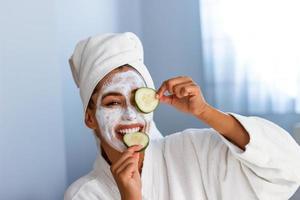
x=185, y=95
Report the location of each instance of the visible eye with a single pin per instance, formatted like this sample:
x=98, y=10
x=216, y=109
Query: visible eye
x=112, y=103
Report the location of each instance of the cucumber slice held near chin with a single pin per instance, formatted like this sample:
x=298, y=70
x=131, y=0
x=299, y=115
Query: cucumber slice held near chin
x=145, y=99
x=136, y=138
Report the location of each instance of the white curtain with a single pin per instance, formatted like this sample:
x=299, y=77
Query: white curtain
x=251, y=54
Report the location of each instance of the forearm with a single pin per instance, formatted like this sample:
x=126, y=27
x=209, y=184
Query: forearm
x=226, y=125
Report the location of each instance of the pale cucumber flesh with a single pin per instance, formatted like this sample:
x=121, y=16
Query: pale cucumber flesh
x=145, y=99
x=136, y=138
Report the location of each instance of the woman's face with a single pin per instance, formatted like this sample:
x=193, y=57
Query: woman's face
x=116, y=113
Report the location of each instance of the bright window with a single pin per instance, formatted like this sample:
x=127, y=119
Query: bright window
x=252, y=54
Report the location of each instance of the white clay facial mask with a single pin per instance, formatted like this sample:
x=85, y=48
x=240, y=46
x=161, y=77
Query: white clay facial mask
x=116, y=115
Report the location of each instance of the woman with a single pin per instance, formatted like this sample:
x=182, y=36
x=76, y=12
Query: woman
x=239, y=158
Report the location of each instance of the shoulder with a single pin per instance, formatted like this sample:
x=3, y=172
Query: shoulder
x=85, y=184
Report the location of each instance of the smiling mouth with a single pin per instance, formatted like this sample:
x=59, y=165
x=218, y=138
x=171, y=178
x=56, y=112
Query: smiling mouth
x=122, y=130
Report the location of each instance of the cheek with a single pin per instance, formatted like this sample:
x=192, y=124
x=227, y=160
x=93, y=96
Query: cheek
x=108, y=118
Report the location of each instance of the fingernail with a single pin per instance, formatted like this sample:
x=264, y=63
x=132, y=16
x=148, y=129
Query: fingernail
x=157, y=96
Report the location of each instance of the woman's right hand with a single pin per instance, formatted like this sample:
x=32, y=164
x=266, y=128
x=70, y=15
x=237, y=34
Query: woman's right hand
x=126, y=174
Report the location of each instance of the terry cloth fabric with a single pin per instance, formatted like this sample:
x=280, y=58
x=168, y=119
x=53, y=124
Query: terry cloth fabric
x=201, y=164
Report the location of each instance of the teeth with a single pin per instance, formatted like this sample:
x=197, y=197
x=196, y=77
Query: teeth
x=131, y=130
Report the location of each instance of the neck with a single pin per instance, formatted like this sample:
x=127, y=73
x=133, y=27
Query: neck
x=104, y=155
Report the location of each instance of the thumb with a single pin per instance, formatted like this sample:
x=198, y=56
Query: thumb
x=136, y=175
x=167, y=99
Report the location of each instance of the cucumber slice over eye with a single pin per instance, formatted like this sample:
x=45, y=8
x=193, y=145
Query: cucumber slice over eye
x=145, y=99
x=136, y=138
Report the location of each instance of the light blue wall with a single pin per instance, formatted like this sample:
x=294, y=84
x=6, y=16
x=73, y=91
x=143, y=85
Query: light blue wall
x=32, y=158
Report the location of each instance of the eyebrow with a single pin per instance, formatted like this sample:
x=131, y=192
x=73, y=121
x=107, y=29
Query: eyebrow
x=111, y=94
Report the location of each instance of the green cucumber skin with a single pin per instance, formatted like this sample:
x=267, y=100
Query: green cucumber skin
x=140, y=109
x=144, y=148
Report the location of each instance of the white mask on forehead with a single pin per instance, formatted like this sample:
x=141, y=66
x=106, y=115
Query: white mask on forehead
x=110, y=117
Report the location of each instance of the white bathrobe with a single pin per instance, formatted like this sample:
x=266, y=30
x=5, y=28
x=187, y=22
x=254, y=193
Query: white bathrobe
x=201, y=164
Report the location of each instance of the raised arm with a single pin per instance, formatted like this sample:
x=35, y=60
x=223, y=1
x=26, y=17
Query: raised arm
x=186, y=96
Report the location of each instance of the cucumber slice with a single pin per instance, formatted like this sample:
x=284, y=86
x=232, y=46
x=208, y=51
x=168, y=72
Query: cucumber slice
x=145, y=99
x=136, y=138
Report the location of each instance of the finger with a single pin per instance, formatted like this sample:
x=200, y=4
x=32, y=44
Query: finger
x=167, y=99
x=124, y=156
x=191, y=90
x=160, y=92
x=183, y=91
x=177, y=80
x=136, y=174
x=168, y=84
x=134, y=148
x=125, y=163
x=178, y=88
x=127, y=153
x=128, y=172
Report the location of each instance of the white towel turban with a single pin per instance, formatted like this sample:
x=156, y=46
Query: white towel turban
x=96, y=56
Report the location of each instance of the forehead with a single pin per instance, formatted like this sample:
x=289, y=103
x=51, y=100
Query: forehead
x=123, y=79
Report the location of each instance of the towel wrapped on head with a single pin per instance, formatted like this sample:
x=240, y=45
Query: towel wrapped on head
x=96, y=56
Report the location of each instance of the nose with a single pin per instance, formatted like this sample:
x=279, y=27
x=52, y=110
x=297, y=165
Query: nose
x=129, y=114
